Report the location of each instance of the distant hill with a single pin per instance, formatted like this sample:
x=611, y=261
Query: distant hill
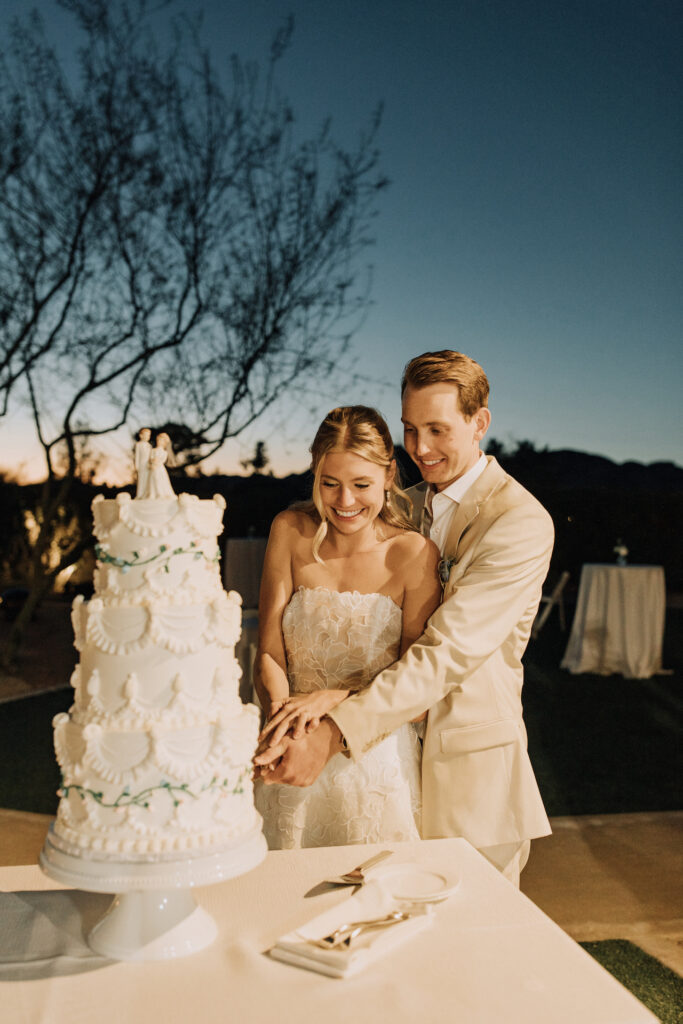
x=567, y=469
x=593, y=502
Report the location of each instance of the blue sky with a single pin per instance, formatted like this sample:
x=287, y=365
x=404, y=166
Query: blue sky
x=534, y=215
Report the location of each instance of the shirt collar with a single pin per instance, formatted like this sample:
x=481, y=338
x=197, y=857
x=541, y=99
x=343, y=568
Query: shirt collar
x=459, y=488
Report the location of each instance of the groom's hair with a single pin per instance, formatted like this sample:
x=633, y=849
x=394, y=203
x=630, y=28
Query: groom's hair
x=449, y=367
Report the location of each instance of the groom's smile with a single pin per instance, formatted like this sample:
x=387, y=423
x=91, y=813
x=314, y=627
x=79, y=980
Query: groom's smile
x=439, y=438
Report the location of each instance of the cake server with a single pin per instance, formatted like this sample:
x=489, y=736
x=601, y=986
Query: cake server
x=356, y=876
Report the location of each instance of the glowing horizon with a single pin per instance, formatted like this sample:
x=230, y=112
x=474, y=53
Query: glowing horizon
x=532, y=219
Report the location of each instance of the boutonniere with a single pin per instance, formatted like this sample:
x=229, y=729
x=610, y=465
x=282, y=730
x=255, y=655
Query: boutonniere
x=445, y=566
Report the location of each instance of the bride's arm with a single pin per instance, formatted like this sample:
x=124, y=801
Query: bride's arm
x=270, y=664
x=422, y=590
x=422, y=593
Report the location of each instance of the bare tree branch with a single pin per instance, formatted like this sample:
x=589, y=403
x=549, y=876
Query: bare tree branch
x=167, y=242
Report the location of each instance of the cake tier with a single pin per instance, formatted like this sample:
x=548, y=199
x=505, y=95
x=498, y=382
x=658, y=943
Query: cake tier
x=171, y=695
x=162, y=547
x=156, y=750
x=119, y=626
x=155, y=788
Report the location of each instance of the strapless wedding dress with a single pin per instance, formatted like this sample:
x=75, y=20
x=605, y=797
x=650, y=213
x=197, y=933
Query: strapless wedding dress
x=336, y=641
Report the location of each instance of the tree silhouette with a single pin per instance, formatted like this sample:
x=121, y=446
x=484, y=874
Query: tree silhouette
x=495, y=448
x=168, y=247
x=259, y=459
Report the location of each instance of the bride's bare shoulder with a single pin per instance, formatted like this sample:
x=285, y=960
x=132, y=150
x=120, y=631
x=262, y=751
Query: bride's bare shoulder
x=409, y=545
x=293, y=523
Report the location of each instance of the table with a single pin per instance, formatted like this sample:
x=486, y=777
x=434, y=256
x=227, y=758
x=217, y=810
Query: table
x=245, y=652
x=242, y=564
x=491, y=956
x=619, y=621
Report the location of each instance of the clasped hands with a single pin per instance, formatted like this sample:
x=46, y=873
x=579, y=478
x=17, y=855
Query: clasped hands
x=291, y=722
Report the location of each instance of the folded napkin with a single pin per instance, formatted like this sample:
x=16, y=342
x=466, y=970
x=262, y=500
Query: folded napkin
x=373, y=900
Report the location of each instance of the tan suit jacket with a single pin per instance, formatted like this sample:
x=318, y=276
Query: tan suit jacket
x=466, y=668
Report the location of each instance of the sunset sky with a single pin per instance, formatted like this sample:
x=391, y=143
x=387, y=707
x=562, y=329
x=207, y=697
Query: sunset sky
x=534, y=215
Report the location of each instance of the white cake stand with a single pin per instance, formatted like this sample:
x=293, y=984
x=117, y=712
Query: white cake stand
x=154, y=915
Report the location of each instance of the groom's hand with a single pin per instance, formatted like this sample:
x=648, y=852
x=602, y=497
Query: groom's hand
x=300, y=762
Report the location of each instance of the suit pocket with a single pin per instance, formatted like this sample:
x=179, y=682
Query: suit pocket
x=469, y=739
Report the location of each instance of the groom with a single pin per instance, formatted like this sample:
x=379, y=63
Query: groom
x=495, y=540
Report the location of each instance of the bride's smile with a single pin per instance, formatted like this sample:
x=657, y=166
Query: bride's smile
x=352, y=490
x=348, y=515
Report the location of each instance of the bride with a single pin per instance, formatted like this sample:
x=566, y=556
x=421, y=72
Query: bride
x=347, y=586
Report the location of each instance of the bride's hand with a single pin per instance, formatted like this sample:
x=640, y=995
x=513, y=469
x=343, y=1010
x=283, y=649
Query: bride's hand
x=275, y=706
x=300, y=714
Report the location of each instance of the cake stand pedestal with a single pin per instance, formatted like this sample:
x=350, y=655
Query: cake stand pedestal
x=154, y=914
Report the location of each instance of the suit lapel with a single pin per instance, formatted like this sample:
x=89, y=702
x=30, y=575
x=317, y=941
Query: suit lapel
x=481, y=490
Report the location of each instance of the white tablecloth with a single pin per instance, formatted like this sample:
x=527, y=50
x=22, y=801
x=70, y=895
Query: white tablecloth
x=492, y=957
x=242, y=564
x=619, y=621
x=245, y=652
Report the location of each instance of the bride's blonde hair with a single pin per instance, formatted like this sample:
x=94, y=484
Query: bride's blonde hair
x=362, y=431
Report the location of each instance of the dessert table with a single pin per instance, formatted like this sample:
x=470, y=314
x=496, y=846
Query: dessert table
x=242, y=565
x=619, y=621
x=490, y=956
x=245, y=652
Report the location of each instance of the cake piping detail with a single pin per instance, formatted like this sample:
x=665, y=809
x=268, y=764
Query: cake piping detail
x=155, y=750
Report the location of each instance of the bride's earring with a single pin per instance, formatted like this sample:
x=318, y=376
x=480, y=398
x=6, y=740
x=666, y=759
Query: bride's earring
x=387, y=497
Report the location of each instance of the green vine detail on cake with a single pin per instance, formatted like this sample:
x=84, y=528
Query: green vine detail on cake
x=128, y=799
x=164, y=553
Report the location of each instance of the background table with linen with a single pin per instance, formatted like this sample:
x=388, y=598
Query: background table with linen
x=242, y=565
x=618, y=625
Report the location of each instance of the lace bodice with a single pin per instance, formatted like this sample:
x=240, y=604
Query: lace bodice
x=339, y=640
x=342, y=640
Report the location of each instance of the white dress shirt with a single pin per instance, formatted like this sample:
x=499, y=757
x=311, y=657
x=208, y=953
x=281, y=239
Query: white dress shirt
x=445, y=503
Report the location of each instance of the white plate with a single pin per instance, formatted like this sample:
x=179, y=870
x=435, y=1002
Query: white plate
x=416, y=883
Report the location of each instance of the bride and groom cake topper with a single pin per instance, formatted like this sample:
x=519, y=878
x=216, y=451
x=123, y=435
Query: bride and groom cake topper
x=150, y=465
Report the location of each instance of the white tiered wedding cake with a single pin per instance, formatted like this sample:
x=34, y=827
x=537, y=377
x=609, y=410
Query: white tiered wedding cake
x=155, y=751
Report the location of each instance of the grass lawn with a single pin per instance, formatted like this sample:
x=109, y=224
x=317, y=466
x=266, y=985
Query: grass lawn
x=605, y=744
x=599, y=745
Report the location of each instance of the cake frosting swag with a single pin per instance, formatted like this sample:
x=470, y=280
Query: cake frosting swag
x=155, y=751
